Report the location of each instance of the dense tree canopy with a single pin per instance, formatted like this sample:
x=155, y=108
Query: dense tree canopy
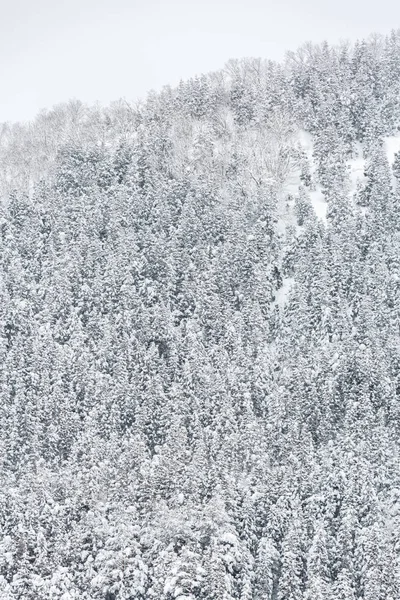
x=199, y=338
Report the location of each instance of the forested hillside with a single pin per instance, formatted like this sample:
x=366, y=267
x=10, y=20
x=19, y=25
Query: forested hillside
x=200, y=338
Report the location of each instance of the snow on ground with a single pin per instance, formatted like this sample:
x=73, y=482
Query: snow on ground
x=293, y=181
x=291, y=188
x=281, y=225
x=306, y=142
x=356, y=173
x=356, y=168
x=282, y=295
x=392, y=145
x=286, y=201
x=319, y=204
x=357, y=165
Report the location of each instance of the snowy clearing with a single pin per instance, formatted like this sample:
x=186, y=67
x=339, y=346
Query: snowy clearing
x=392, y=145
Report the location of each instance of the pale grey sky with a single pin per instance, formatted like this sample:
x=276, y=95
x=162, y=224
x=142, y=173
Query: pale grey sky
x=101, y=50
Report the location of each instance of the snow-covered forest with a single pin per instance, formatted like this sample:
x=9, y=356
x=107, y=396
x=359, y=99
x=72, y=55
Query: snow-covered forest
x=200, y=338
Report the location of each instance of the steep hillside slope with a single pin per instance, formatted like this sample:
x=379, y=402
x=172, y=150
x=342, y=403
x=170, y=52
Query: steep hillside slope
x=200, y=338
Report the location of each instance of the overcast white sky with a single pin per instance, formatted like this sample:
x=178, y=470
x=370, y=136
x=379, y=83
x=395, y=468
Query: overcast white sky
x=53, y=50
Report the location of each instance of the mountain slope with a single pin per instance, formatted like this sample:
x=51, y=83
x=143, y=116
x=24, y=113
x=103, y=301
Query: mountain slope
x=200, y=338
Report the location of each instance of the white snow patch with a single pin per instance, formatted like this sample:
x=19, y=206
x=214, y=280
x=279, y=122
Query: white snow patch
x=306, y=141
x=356, y=173
x=392, y=145
x=229, y=538
x=22, y=304
x=357, y=169
x=280, y=227
x=286, y=216
x=293, y=182
x=319, y=204
x=282, y=295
